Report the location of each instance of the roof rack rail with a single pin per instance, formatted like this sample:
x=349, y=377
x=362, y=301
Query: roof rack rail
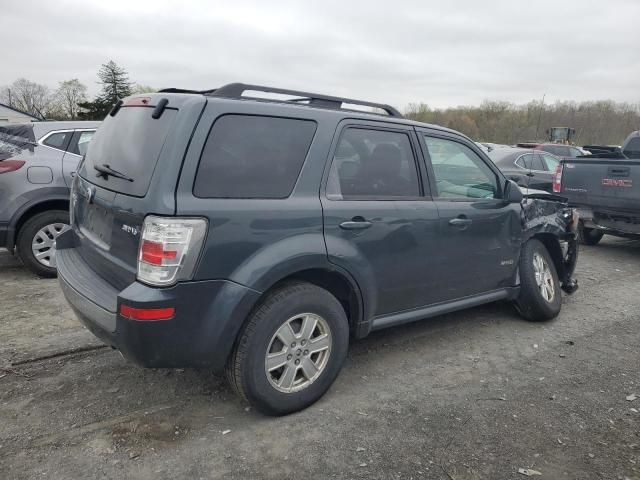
x=183, y=90
x=235, y=90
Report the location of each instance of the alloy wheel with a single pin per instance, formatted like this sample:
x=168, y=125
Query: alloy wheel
x=544, y=277
x=298, y=352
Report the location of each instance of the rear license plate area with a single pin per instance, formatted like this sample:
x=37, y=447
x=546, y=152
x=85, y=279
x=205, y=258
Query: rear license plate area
x=97, y=225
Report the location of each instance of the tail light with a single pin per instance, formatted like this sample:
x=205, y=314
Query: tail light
x=169, y=249
x=557, y=179
x=11, y=165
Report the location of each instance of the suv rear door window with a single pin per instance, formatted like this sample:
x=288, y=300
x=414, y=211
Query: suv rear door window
x=373, y=164
x=129, y=142
x=58, y=140
x=459, y=171
x=80, y=142
x=249, y=156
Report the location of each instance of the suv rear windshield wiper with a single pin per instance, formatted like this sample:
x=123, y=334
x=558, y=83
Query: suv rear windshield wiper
x=105, y=171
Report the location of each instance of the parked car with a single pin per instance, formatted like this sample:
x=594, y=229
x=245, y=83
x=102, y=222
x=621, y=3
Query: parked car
x=606, y=191
x=214, y=230
x=37, y=163
x=557, y=149
x=528, y=168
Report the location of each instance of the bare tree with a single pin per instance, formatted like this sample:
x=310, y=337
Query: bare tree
x=69, y=94
x=30, y=97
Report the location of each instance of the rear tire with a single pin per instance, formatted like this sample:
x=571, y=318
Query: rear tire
x=36, y=237
x=589, y=236
x=540, y=296
x=263, y=369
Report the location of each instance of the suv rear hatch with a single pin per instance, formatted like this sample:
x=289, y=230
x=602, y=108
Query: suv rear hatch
x=130, y=170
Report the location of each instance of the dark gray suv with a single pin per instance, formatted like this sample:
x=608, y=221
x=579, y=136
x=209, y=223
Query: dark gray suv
x=37, y=164
x=213, y=229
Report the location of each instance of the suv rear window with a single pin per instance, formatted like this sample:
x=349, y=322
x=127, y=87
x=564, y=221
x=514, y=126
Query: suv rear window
x=253, y=157
x=130, y=142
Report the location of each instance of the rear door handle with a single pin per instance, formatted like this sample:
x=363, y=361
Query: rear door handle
x=356, y=223
x=460, y=222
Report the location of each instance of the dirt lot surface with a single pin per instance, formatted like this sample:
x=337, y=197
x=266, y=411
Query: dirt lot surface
x=476, y=394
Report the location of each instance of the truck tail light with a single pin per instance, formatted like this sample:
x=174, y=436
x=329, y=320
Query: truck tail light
x=11, y=165
x=557, y=179
x=169, y=249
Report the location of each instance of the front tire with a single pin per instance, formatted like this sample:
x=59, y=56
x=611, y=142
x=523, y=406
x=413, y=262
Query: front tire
x=540, y=297
x=291, y=349
x=35, y=241
x=589, y=236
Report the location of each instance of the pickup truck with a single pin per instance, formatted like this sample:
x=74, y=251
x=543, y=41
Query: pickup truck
x=606, y=191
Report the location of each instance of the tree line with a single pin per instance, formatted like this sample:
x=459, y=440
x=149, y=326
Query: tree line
x=595, y=122
x=69, y=101
x=602, y=122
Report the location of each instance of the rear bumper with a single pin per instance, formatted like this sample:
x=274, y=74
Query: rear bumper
x=209, y=314
x=621, y=223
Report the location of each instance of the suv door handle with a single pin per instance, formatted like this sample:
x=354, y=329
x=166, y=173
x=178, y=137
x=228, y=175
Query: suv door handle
x=356, y=223
x=460, y=221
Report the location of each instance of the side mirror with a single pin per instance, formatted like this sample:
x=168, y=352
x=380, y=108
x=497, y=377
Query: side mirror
x=512, y=192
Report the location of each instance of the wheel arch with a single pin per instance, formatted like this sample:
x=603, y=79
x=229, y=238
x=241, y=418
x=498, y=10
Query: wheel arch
x=333, y=279
x=340, y=284
x=27, y=211
x=552, y=244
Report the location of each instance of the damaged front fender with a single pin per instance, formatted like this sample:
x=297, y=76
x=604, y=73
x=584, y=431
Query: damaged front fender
x=548, y=218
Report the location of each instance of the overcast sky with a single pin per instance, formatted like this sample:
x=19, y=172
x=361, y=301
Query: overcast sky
x=443, y=53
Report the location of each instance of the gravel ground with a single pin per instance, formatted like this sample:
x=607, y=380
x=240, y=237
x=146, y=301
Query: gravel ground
x=476, y=394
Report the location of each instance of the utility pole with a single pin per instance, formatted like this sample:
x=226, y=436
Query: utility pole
x=540, y=115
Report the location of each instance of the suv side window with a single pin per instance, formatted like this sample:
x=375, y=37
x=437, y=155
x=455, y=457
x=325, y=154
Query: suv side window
x=459, y=171
x=247, y=156
x=58, y=140
x=79, y=145
x=373, y=164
